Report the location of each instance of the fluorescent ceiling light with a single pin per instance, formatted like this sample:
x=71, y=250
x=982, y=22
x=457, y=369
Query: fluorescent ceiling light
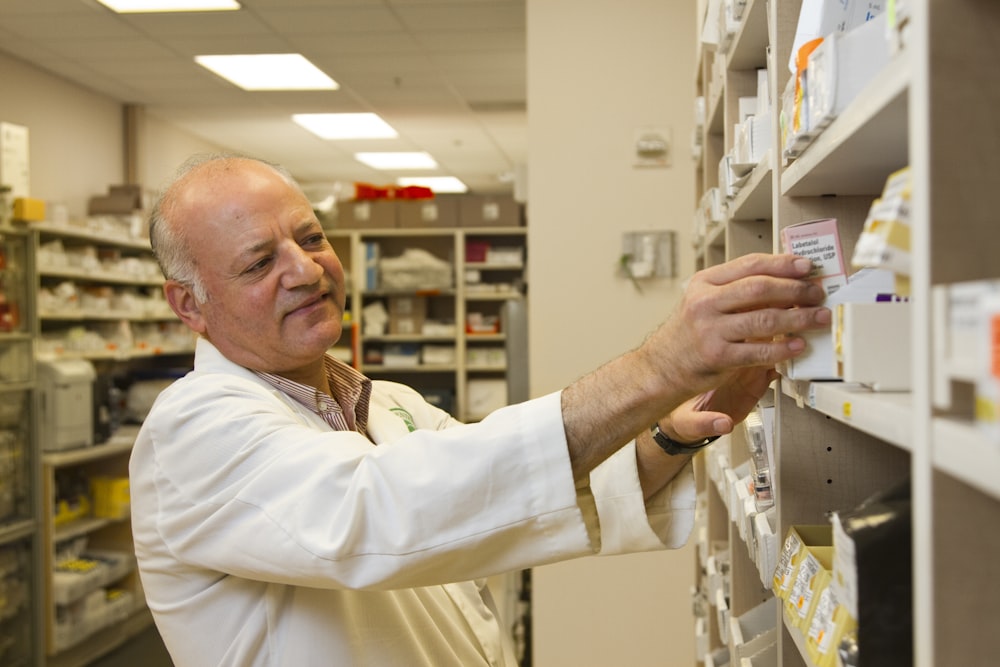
x=140, y=6
x=440, y=184
x=268, y=71
x=346, y=125
x=397, y=160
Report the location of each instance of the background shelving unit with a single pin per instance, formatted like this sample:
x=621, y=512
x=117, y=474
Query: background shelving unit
x=492, y=288
x=931, y=108
x=96, y=281
x=20, y=497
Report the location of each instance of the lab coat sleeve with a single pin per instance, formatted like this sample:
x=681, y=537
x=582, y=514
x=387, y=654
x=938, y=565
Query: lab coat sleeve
x=227, y=477
x=627, y=522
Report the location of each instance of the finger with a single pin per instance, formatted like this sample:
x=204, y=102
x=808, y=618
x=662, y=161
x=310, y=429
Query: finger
x=759, y=353
x=701, y=425
x=760, y=291
x=783, y=266
x=764, y=324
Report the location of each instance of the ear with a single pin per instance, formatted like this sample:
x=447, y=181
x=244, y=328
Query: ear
x=185, y=306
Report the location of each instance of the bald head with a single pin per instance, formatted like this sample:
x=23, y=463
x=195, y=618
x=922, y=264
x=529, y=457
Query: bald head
x=170, y=217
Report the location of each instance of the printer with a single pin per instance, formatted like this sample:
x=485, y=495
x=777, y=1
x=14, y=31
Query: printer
x=66, y=404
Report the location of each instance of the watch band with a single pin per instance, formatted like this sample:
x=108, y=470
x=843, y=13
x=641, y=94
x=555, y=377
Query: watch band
x=672, y=447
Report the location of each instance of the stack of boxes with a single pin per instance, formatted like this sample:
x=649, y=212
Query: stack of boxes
x=442, y=211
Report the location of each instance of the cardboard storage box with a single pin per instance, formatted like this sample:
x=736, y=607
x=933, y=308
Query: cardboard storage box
x=437, y=212
x=407, y=314
x=367, y=214
x=489, y=211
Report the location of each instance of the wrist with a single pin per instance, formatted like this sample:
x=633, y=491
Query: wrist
x=670, y=444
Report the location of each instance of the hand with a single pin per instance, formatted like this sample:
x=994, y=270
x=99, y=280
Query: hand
x=717, y=412
x=743, y=313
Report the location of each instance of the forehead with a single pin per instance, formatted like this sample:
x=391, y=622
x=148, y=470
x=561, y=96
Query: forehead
x=230, y=191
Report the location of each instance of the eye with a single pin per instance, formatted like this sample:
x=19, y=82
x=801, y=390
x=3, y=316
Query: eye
x=258, y=266
x=313, y=241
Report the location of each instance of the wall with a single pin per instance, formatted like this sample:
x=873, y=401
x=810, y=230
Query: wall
x=76, y=137
x=597, y=71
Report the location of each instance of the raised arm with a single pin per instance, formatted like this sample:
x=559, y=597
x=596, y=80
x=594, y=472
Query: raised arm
x=741, y=314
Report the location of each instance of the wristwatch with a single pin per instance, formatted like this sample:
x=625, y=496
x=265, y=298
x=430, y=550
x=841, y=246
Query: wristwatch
x=672, y=447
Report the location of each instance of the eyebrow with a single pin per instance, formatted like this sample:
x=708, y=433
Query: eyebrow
x=247, y=253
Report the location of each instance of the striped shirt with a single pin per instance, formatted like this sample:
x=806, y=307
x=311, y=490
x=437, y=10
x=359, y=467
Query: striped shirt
x=352, y=392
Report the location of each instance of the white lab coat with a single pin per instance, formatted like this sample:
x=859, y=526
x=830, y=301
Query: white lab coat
x=266, y=539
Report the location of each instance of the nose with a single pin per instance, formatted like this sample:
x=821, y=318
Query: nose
x=300, y=268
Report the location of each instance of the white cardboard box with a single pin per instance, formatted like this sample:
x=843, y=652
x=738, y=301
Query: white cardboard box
x=842, y=66
x=818, y=361
x=872, y=344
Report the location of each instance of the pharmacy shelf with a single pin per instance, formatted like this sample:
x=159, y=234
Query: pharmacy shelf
x=838, y=444
x=81, y=232
x=99, y=276
x=753, y=200
x=489, y=293
x=885, y=415
x=867, y=141
x=121, y=442
x=965, y=453
x=749, y=47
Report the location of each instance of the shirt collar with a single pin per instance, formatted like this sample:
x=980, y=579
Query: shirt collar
x=351, y=391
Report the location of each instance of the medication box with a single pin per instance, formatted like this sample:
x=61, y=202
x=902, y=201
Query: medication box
x=819, y=241
x=841, y=66
x=884, y=365
x=819, y=362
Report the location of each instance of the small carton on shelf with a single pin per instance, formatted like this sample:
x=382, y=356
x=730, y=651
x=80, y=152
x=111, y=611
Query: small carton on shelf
x=830, y=621
x=765, y=545
x=812, y=575
x=401, y=355
x=438, y=355
x=819, y=241
x=28, y=209
x=818, y=362
x=797, y=543
x=871, y=343
x=111, y=497
x=841, y=66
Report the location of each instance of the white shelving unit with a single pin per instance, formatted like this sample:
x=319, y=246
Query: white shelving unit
x=498, y=283
x=931, y=108
x=95, y=281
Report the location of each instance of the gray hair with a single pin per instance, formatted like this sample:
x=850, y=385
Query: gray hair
x=169, y=243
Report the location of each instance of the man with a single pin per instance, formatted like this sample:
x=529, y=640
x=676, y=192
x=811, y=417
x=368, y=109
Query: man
x=289, y=511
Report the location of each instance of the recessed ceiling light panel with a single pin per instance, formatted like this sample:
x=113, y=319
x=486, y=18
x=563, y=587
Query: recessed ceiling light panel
x=150, y=6
x=346, y=125
x=268, y=71
x=389, y=161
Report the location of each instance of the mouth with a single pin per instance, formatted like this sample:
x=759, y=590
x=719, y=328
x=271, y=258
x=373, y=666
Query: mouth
x=309, y=304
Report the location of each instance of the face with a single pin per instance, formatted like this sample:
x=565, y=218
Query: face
x=275, y=286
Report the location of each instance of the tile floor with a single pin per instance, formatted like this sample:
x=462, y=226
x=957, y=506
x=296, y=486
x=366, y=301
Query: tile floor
x=144, y=649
